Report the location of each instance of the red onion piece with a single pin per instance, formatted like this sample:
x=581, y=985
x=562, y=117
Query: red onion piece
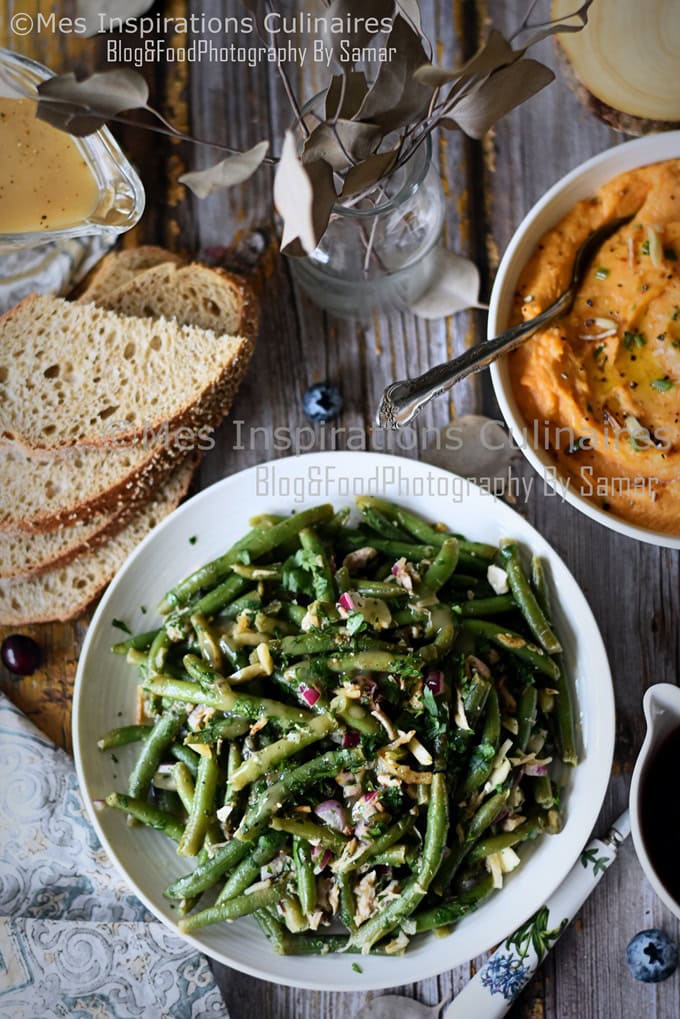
x=535, y=770
x=350, y=739
x=333, y=814
x=345, y=602
x=434, y=681
x=309, y=694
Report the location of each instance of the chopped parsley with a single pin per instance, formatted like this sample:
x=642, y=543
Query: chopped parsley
x=598, y=350
x=142, y=609
x=120, y=625
x=193, y=539
x=631, y=340
x=644, y=247
x=676, y=314
x=355, y=623
x=662, y=385
x=601, y=273
x=356, y=967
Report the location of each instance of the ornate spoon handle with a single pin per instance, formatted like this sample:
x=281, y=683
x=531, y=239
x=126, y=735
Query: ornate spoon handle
x=506, y=973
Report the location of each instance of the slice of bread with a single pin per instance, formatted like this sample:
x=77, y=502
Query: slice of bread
x=118, y=268
x=75, y=374
x=192, y=294
x=64, y=593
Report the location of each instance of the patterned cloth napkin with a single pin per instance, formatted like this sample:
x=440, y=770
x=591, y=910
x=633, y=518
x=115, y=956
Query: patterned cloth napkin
x=74, y=942
x=52, y=268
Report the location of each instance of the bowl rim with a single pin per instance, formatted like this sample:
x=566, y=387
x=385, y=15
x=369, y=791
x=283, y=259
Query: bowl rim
x=629, y=155
x=600, y=741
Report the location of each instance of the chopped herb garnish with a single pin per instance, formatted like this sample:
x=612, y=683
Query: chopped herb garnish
x=644, y=247
x=601, y=273
x=598, y=350
x=633, y=339
x=356, y=967
x=670, y=254
x=355, y=623
x=114, y=758
x=662, y=385
x=120, y=625
x=676, y=314
x=193, y=539
x=142, y=609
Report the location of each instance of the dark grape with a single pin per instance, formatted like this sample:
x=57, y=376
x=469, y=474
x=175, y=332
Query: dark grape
x=20, y=654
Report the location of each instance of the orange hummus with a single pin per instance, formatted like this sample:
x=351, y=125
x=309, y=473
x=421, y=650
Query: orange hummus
x=600, y=389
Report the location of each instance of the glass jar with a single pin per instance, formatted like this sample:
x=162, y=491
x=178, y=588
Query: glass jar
x=120, y=194
x=380, y=255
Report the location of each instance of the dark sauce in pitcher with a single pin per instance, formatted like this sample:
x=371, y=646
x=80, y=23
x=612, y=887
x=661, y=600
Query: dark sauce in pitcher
x=660, y=813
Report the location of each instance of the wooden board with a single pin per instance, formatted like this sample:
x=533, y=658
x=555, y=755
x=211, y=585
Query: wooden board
x=633, y=589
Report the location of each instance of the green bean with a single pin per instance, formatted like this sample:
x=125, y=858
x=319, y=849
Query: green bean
x=267, y=759
x=415, y=889
x=273, y=930
x=201, y=806
x=354, y=715
x=254, y=544
x=381, y=524
x=153, y=749
x=220, y=599
x=186, y=755
x=250, y=600
x=444, y=638
x=451, y=912
x=481, y=761
x=347, y=908
x=317, y=834
x=122, y=736
x=565, y=735
x=258, y=815
x=140, y=642
x=526, y=599
x=207, y=642
x=143, y=812
x=293, y=613
x=343, y=580
x=304, y=873
x=368, y=661
x=543, y=791
x=293, y=917
x=230, y=701
x=222, y=728
x=424, y=532
x=378, y=589
x=383, y=842
x=515, y=644
x=209, y=871
x=241, y=905
x=352, y=540
x=248, y=870
x=184, y=783
x=159, y=650
x=322, y=576
x=482, y=607
x=395, y=856
x=504, y=840
x=526, y=716
x=442, y=566
x=483, y=818
x=476, y=698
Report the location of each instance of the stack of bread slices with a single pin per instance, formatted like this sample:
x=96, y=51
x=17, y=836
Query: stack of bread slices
x=105, y=406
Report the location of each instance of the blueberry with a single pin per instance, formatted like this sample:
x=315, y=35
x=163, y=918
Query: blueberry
x=652, y=956
x=322, y=402
x=20, y=654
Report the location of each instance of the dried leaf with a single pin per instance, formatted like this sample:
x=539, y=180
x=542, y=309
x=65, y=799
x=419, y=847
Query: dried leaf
x=493, y=53
x=365, y=174
x=355, y=88
x=455, y=287
x=543, y=29
x=304, y=197
x=97, y=13
x=355, y=13
x=496, y=95
x=396, y=98
x=410, y=10
x=341, y=144
x=227, y=173
x=64, y=100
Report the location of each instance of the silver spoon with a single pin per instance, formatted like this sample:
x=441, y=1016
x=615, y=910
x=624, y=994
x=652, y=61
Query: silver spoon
x=403, y=400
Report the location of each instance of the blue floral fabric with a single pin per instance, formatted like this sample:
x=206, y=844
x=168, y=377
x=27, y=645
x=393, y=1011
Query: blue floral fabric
x=74, y=942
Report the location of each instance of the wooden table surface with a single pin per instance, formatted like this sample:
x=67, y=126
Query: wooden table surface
x=633, y=588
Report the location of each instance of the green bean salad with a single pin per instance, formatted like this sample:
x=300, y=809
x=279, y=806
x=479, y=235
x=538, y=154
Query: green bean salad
x=351, y=730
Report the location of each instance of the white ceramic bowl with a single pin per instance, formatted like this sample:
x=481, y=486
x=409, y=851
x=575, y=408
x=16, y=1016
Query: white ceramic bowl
x=105, y=697
x=581, y=183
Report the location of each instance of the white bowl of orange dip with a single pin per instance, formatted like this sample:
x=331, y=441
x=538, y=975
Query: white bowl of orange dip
x=593, y=401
